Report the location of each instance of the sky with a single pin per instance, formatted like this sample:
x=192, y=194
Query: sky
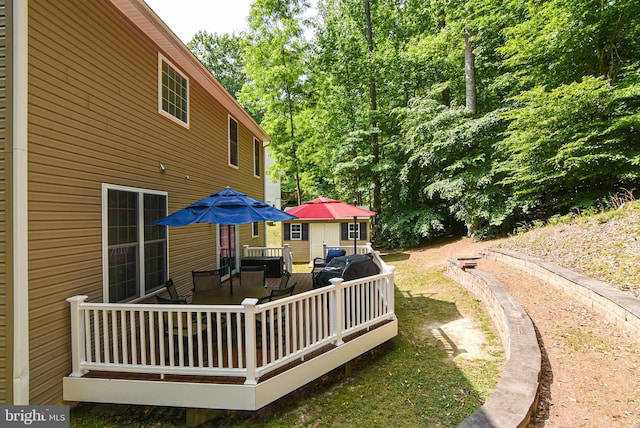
x=187, y=17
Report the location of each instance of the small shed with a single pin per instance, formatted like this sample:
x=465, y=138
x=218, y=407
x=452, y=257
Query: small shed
x=325, y=221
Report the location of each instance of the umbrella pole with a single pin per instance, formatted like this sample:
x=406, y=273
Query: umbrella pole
x=355, y=235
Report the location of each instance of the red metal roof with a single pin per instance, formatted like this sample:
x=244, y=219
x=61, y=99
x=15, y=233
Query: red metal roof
x=325, y=208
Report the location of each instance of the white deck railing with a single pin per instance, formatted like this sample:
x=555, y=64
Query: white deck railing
x=284, y=252
x=246, y=340
x=360, y=249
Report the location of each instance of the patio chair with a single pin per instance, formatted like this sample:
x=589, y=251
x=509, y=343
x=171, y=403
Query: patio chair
x=322, y=262
x=283, y=292
x=284, y=279
x=264, y=299
x=184, y=332
x=252, y=275
x=171, y=289
x=165, y=301
x=205, y=279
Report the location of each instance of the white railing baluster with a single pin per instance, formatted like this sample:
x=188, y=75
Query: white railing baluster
x=123, y=337
x=88, y=349
x=134, y=337
x=115, y=349
x=160, y=336
x=105, y=338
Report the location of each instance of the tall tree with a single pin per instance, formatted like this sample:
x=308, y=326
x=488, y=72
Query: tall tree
x=222, y=55
x=373, y=104
x=277, y=88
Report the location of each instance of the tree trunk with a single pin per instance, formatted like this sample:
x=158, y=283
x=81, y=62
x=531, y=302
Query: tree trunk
x=470, y=72
x=446, y=92
x=373, y=107
x=292, y=134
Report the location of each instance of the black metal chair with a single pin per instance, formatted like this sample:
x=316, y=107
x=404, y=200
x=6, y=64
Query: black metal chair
x=321, y=262
x=252, y=275
x=283, y=292
x=165, y=301
x=180, y=331
x=173, y=293
x=205, y=279
x=284, y=279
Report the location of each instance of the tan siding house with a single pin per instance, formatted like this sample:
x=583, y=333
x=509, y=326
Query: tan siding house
x=92, y=122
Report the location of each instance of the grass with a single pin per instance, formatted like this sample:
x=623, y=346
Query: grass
x=274, y=231
x=604, y=245
x=408, y=381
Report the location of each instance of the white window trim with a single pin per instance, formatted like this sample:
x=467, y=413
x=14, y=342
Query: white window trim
x=160, y=110
x=253, y=230
x=256, y=141
x=352, y=231
x=291, y=231
x=105, y=237
x=229, y=142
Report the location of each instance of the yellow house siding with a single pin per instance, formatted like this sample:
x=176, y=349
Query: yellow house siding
x=93, y=119
x=6, y=337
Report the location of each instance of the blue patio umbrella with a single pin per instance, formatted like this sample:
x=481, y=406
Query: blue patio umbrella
x=226, y=207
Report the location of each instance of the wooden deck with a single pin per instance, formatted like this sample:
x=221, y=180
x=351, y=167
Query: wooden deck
x=122, y=353
x=304, y=282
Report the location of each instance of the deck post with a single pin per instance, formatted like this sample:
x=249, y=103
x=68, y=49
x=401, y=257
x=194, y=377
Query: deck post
x=391, y=289
x=77, y=335
x=337, y=309
x=250, y=339
x=245, y=250
x=286, y=254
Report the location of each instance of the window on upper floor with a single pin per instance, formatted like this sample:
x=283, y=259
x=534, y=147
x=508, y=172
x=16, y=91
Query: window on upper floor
x=255, y=229
x=173, y=92
x=134, y=250
x=233, y=142
x=257, y=157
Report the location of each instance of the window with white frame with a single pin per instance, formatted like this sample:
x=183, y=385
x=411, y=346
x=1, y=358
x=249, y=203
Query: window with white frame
x=134, y=250
x=354, y=231
x=296, y=232
x=257, y=157
x=255, y=230
x=233, y=142
x=173, y=92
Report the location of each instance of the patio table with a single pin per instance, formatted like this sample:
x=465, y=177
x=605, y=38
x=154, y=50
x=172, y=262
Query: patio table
x=222, y=296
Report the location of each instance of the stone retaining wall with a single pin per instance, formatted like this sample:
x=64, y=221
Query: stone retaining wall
x=618, y=307
x=516, y=396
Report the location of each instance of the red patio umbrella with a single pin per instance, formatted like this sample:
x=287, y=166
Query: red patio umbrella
x=324, y=208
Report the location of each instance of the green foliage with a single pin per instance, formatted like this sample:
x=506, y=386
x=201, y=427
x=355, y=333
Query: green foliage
x=222, y=55
x=569, y=147
x=556, y=128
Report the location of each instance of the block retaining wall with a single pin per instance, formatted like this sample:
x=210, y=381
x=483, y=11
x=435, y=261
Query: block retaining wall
x=516, y=395
x=618, y=307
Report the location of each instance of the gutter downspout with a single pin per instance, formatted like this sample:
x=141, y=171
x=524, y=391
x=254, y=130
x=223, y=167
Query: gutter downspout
x=20, y=209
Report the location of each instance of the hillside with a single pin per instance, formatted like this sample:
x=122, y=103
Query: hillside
x=605, y=246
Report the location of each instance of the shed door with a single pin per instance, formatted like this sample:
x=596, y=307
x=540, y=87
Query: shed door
x=322, y=232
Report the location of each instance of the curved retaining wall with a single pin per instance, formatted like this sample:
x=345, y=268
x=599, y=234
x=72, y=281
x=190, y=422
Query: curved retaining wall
x=618, y=307
x=516, y=395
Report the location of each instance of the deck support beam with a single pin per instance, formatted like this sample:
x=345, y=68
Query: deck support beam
x=196, y=417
